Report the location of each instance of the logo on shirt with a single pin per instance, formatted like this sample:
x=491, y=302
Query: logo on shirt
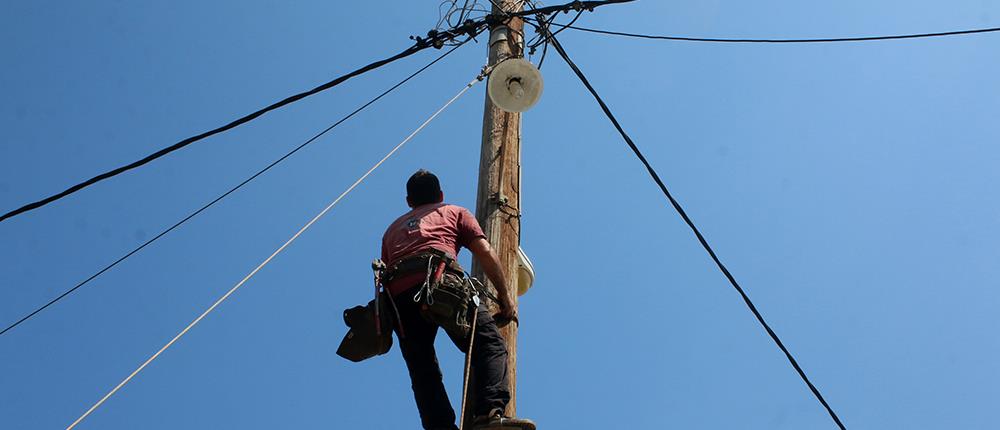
x=413, y=224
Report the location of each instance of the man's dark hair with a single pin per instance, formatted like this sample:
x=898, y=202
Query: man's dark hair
x=423, y=188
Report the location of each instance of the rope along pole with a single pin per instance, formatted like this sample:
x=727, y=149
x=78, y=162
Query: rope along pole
x=468, y=366
x=231, y=190
x=704, y=243
x=274, y=254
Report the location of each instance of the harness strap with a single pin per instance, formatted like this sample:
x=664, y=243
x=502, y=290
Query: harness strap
x=427, y=289
x=378, y=266
x=399, y=321
x=419, y=263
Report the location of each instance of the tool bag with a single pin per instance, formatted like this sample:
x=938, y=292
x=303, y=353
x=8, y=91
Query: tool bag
x=447, y=296
x=370, y=331
x=448, y=303
x=370, y=326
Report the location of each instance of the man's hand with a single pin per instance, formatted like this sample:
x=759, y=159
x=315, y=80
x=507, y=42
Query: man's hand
x=484, y=254
x=507, y=312
x=507, y=309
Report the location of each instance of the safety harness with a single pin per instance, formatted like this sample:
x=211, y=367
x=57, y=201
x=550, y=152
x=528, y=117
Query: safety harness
x=446, y=298
x=446, y=295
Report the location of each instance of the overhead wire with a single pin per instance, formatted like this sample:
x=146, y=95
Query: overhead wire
x=588, y=5
x=434, y=39
x=446, y=18
x=275, y=253
x=470, y=28
x=575, y=5
x=465, y=7
x=816, y=40
x=498, y=6
x=539, y=38
x=420, y=45
x=545, y=39
x=233, y=189
x=701, y=238
x=544, y=36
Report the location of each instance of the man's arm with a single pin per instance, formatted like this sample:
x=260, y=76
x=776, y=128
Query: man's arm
x=483, y=253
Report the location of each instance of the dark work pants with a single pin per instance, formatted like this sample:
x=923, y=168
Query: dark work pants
x=489, y=361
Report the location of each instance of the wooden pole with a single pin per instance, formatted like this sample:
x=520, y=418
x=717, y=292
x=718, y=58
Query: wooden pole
x=498, y=201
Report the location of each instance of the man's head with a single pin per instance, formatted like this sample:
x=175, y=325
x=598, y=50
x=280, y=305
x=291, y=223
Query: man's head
x=423, y=188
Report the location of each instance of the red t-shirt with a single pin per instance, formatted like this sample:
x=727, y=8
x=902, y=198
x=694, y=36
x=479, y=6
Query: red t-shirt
x=440, y=226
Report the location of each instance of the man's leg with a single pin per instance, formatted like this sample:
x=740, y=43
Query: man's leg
x=489, y=358
x=417, y=347
x=491, y=390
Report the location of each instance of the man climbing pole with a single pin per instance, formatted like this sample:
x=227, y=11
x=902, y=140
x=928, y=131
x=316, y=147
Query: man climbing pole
x=430, y=290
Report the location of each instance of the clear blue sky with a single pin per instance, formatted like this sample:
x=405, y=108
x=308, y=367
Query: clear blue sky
x=850, y=187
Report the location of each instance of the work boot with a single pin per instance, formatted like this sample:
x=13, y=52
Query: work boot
x=496, y=420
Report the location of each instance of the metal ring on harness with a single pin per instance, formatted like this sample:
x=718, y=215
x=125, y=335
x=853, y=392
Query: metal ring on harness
x=426, y=288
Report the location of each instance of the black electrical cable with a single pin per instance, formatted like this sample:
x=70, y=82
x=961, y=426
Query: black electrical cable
x=470, y=28
x=465, y=7
x=420, y=45
x=498, y=6
x=434, y=38
x=542, y=22
x=233, y=189
x=822, y=40
x=564, y=27
x=576, y=5
x=704, y=243
x=545, y=10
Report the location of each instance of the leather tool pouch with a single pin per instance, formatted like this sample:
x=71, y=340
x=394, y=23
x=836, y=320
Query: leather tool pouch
x=366, y=337
x=447, y=303
x=446, y=297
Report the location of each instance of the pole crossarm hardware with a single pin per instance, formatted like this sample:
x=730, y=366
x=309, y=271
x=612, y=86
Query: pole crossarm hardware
x=276, y=252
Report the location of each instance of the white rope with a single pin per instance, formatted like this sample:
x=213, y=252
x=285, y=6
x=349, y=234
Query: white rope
x=468, y=366
x=278, y=251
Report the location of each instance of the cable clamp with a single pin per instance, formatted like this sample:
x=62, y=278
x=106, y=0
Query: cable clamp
x=487, y=69
x=580, y=6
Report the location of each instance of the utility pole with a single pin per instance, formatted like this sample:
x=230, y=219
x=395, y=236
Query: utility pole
x=498, y=203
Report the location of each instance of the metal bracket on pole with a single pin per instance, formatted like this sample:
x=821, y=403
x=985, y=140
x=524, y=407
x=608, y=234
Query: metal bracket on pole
x=499, y=34
x=500, y=199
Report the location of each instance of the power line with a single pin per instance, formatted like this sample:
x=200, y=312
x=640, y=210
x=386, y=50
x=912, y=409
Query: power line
x=472, y=29
x=434, y=38
x=274, y=254
x=701, y=238
x=820, y=40
x=231, y=190
x=420, y=45
x=575, y=5
x=545, y=40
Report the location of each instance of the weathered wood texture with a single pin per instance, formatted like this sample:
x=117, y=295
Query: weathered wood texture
x=498, y=202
